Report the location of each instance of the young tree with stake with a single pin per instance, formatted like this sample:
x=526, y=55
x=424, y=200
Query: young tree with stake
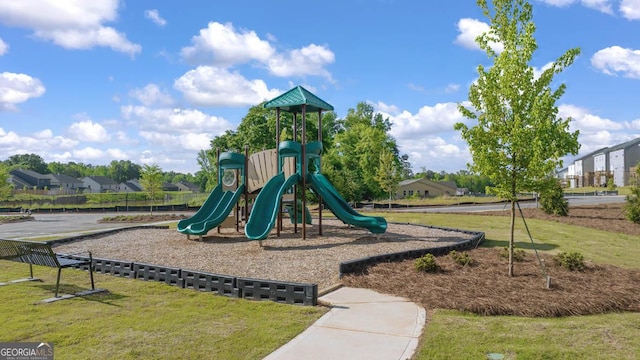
x=518, y=139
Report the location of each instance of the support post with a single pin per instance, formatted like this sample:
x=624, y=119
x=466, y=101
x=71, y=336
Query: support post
x=295, y=186
x=304, y=171
x=278, y=170
x=319, y=170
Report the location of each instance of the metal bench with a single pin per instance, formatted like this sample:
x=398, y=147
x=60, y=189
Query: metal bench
x=39, y=253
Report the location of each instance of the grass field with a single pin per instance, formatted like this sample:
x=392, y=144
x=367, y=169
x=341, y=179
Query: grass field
x=150, y=320
x=142, y=320
x=457, y=335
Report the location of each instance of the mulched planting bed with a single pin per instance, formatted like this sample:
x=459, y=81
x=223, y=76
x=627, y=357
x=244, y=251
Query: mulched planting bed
x=485, y=287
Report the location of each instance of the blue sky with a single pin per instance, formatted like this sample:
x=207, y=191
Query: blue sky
x=155, y=81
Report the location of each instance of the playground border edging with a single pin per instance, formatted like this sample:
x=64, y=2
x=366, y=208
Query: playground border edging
x=250, y=288
x=360, y=265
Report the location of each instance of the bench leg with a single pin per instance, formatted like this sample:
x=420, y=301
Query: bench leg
x=93, y=287
x=58, y=281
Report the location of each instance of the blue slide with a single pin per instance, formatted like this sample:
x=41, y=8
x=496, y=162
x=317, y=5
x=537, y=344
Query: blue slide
x=341, y=208
x=212, y=213
x=265, y=209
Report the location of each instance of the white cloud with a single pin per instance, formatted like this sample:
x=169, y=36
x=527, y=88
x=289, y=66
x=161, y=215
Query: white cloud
x=220, y=44
x=428, y=136
x=87, y=130
x=18, y=88
x=630, y=9
x=223, y=46
x=175, y=121
x=596, y=132
x=42, y=142
x=154, y=16
x=451, y=88
x=211, y=86
x=309, y=60
x=150, y=95
x=428, y=120
x=469, y=30
x=604, y=6
x=617, y=60
x=73, y=24
x=4, y=47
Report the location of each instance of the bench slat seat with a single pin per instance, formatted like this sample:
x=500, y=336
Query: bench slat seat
x=38, y=253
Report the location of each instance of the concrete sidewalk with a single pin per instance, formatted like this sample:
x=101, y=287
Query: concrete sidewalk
x=362, y=324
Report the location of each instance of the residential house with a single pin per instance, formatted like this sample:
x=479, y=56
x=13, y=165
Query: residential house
x=425, y=188
x=28, y=179
x=622, y=158
x=188, y=186
x=65, y=184
x=99, y=184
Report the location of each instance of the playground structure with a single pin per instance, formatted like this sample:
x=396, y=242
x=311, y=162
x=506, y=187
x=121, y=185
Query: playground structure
x=276, y=172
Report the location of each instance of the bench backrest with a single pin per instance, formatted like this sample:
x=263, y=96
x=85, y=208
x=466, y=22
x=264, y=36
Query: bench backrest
x=29, y=252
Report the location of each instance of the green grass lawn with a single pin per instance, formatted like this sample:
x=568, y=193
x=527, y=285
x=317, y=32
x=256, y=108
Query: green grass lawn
x=142, y=320
x=457, y=335
x=151, y=320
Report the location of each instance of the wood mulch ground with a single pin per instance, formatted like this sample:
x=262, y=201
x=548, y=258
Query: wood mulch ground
x=485, y=287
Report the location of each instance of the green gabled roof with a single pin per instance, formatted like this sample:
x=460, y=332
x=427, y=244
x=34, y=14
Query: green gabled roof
x=293, y=100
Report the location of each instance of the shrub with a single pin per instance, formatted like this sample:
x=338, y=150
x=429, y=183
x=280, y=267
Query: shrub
x=632, y=208
x=518, y=254
x=552, y=200
x=426, y=263
x=570, y=261
x=462, y=258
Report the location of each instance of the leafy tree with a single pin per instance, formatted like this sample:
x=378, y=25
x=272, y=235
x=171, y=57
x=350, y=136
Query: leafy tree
x=389, y=173
x=208, y=175
x=31, y=162
x=6, y=189
x=151, y=181
x=519, y=138
x=123, y=170
x=352, y=163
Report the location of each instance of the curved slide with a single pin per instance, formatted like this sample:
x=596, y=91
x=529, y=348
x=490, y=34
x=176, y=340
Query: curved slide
x=265, y=209
x=341, y=208
x=212, y=213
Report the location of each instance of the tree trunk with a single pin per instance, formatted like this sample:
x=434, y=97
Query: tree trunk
x=511, y=235
x=389, y=201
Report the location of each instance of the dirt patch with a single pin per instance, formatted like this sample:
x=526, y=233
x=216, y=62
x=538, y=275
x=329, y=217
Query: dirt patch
x=486, y=288
x=142, y=218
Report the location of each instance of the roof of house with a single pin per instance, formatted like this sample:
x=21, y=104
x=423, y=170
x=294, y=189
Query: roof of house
x=448, y=184
x=102, y=180
x=133, y=185
x=626, y=145
x=64, y=179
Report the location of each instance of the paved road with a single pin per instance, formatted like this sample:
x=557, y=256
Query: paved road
x=64, y=225
x=70, y=224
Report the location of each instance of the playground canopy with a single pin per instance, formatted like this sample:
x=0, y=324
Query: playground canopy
x=294, y=99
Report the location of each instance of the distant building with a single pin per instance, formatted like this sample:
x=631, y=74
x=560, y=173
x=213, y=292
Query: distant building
x=64, y=184
x=621, y=159
x=187, y=186
x=598, y=167
x=170, y=187
x=425, y=188
x=28, y=179
x=130, y=186
x=99, y=184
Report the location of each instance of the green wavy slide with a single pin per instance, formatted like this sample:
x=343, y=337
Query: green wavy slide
x=212, y=213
